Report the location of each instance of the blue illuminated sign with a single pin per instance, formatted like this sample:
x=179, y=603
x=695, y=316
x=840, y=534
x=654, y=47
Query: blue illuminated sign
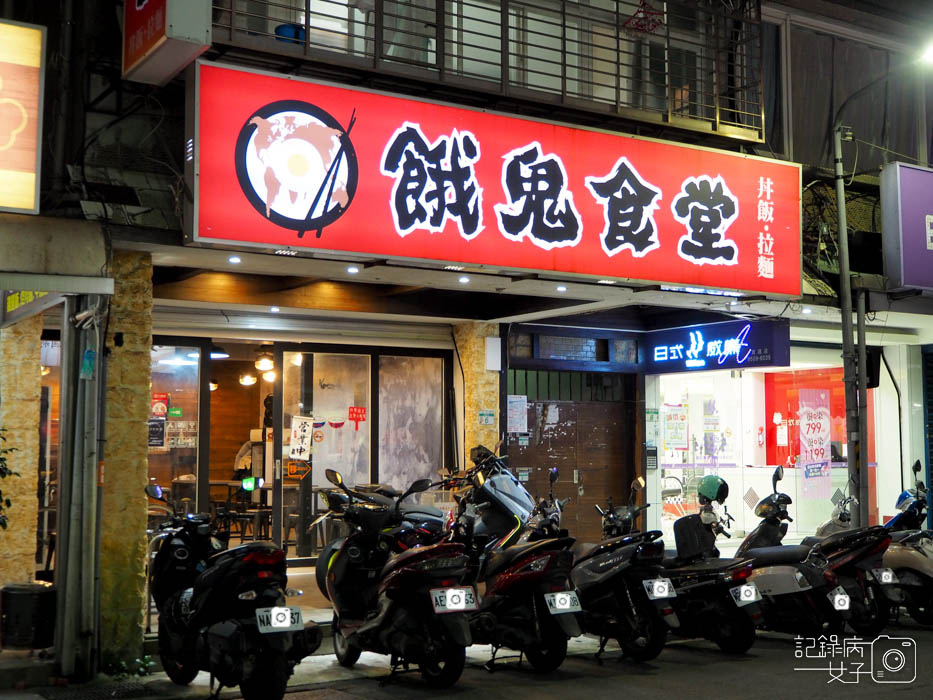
x=730, y=345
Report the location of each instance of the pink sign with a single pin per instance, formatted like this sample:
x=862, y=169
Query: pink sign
x=815, y=453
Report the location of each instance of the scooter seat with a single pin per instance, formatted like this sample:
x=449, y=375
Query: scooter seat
x=902, y=535
x=703, y=566
x=812, y=540
x=585, y=550
x=780, y=554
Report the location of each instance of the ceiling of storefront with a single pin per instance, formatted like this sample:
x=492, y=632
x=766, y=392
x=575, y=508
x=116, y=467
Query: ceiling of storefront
x=199, y=287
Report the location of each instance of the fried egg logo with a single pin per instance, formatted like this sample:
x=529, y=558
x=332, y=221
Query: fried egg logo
x=296, y=165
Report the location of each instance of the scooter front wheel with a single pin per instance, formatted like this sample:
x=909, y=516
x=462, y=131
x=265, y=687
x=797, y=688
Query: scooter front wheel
x=444, y=671
x=735, y=633
x=649, y=641
x=179, y=670
x=547, y=656
x=268, y=680
x=347, y=654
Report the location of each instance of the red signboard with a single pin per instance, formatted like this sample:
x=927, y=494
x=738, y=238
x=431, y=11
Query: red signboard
x=283, y=162
x=143, y=30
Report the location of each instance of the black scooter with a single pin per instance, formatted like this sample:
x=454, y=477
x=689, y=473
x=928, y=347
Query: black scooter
x=223, y=611
x=621, y=583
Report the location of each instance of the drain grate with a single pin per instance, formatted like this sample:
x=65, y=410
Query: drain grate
x=751, y=498
x=121, y=689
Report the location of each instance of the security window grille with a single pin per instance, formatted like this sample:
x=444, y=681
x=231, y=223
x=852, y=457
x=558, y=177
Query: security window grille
x=544, y=385
x=694, y=63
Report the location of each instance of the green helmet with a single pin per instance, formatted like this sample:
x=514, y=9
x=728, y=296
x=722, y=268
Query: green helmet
x=712, y=488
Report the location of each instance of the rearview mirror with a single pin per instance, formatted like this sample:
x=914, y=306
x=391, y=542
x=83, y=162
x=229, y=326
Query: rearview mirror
x=916, y=468
x=552, y=474
x=154, y=491
x=777, y=476
x=420, y=485
x=333, y=477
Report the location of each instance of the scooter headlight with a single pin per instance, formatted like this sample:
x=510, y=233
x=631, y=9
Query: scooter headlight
x=539, y=564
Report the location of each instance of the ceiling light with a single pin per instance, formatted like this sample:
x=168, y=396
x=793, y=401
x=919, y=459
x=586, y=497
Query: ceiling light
x=605, y=281
x=353, y=269
x=213, y=385
x=733, y=303
x=807, y=310
x=44, y=371
x=247, y=379
x=264, y=362
x=275, y=309
x=194, y=355
x=269, y=376
x=178, y=362
x=234, y=260
x=218, y=353
x=927, y=56
x=464, y=280
x=297, y=359
x=453, y=268
x=561, y=288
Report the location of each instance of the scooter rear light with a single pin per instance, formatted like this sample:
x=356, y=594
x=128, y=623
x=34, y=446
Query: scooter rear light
x=265, y=574
x=265, y=558
x=740, y=574
x=557, y=588
x=830, y=577
x=449, y=582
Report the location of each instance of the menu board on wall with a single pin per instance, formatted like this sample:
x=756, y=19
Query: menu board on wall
x=156, y=432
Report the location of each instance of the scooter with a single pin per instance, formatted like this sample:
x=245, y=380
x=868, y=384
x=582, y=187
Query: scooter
x=223, y=611
x=528, y=603
x=793, y=585
x=713, y=597
x=910, y=554
x=621, y=584
x=908, y=561
x=410, y=603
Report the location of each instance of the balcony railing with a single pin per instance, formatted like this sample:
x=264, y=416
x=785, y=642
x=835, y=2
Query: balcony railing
x=696, y=65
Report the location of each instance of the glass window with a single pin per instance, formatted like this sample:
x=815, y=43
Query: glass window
x=173, y=423
x=411, y=415
x=49, y=404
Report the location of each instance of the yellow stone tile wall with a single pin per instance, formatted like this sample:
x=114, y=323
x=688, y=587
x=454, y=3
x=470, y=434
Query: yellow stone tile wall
x=481, y=386
x=20, y=390
x=123, y=524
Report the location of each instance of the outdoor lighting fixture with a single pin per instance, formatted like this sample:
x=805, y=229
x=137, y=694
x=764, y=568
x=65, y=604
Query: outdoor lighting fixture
x=234, y=260
x=454, y=268
x=268, y=376
x=213, y=385
x=927, y=56
x=464, y=280
x=247, y=379
x=605, y=281
x=561, y=288
x=352, y=270
x=275, y=309
x=218, y=353
x=264, y=362
x=194, y=355
x=807, y=310
x=44, y=371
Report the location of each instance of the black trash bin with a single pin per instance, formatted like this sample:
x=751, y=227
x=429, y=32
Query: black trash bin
x=27, y=615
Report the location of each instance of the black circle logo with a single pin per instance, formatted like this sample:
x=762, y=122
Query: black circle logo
x=296, y=165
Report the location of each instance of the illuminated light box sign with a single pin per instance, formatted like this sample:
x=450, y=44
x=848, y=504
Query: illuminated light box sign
x=907, y=215
x=730, y=345
x=22, y=79
x=284, y=163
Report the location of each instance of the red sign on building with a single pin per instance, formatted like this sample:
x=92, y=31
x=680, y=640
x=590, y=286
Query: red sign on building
x=282, y=162
x=143, y=30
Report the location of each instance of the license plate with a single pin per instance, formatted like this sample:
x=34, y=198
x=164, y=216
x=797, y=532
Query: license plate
x=884, y=575
x=839, y=598
x=658, y=588
x=562, y=602
x=447, y=600
x=745, y=594
x=279, y=619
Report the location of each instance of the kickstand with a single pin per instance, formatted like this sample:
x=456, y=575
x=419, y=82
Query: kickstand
x=491, y=664
x=394, y=664
x=602, y=647
x=215, y=694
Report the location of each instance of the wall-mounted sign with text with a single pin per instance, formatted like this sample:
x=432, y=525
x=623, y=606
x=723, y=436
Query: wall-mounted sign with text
x=288, y=164
x=729, y=345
